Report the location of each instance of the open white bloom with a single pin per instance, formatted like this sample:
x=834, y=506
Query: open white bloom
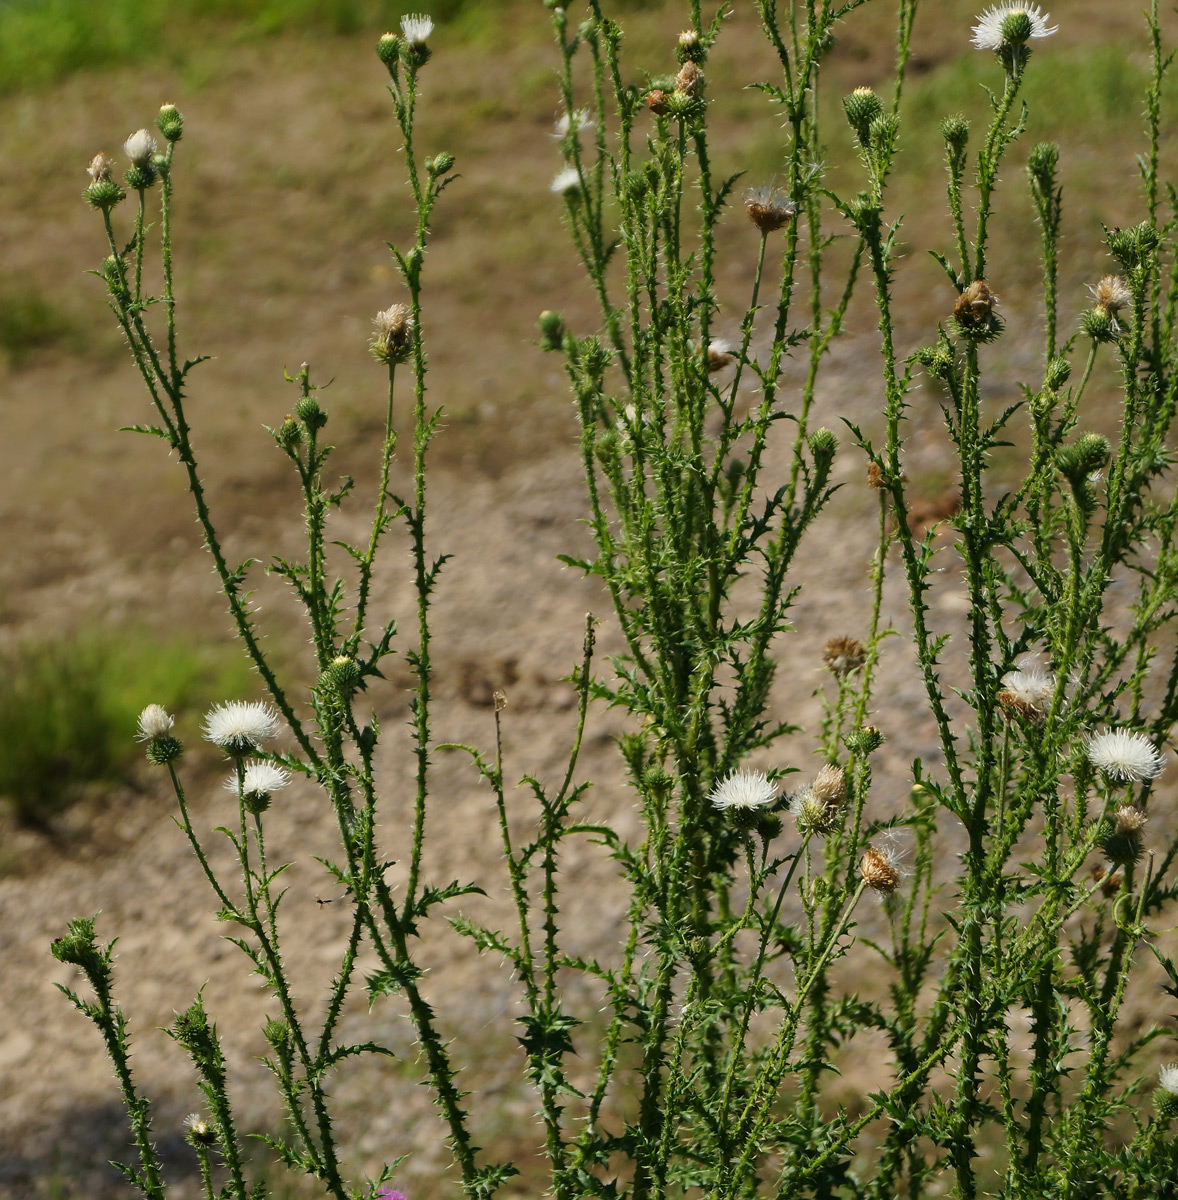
x=1124, y=756
x=139, y=147
x=240, y=725
x=417, y=27
x=258, y=779
x=1168, y=1078
x=573, y=122
x=1010, y=24
x=154, y=722
x=567, y=181
x=748, y=790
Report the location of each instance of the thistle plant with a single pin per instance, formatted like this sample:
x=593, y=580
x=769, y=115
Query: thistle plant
x=726, y=1003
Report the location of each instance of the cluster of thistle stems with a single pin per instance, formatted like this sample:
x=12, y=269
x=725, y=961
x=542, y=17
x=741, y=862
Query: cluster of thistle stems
x=725, y=1012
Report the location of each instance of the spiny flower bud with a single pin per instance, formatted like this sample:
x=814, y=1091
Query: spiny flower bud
x=103, y=193
x=864, y=740
x=823, y=445
x=842, y=655
x=1133, y=247
x=1088, y=453
x=551, y=330
x=440, y=163
x=955, y=131
x=1100, y=325
x=769, y=208
x=388, y=49
x=289, y=434
x=862, y=107
x=1121, y=845
x=1165, y=1096
x=340, y=675
x=1058, y=372
x=811, y=815
x=170, y=123
x=690, y=48
x=310, y=413
x=393, y=339
x=684, y=105
x=937, y=360
x=974, y=312
x=658, y=782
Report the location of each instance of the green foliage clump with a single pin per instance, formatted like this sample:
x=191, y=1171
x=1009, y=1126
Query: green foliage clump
x=68, y=709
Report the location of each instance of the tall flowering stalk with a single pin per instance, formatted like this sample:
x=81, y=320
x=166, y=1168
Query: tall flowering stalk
x=728, y=1005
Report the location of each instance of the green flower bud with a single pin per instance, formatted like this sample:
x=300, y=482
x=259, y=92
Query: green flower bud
x=141, y=176
x=164, y=750
x=864, y=740
x=341, y=675
x=104, y=194
x=1017, y=28
x=690, y=48
x=170, y=123
x=440, y=163
x=1100, y=325
x=308, y=411
x=551, y=330
x=862, y=107
x=1058, y=372
x=388, y=49
x=289, y=434
x=1165, y=1104
x=1088, y=453
x=955, y=131
x=683, y=105
x=823, y=444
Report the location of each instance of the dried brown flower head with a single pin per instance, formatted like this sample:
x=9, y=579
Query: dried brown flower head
x=842, y=655
x=769, y=208
x=880, y=870
x=974, y=310
x=99, y=168
x=656, y=101
x=690, y=79
x=1112, y=294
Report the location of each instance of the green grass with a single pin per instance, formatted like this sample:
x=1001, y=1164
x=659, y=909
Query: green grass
x=43, y=40
x=69, y=708
x=30, y=321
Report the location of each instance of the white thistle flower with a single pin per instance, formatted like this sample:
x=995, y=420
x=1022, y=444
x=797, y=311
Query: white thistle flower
x=567, y=182
x=154, y=722
x=417, y=27
x=1127, y=757
x=258, y=779
x=992, y=31
x=747, y=790
x=573, y=122
x=139, y=147
x=1027, y=692
x=240, y=725
x=1168, y=1078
